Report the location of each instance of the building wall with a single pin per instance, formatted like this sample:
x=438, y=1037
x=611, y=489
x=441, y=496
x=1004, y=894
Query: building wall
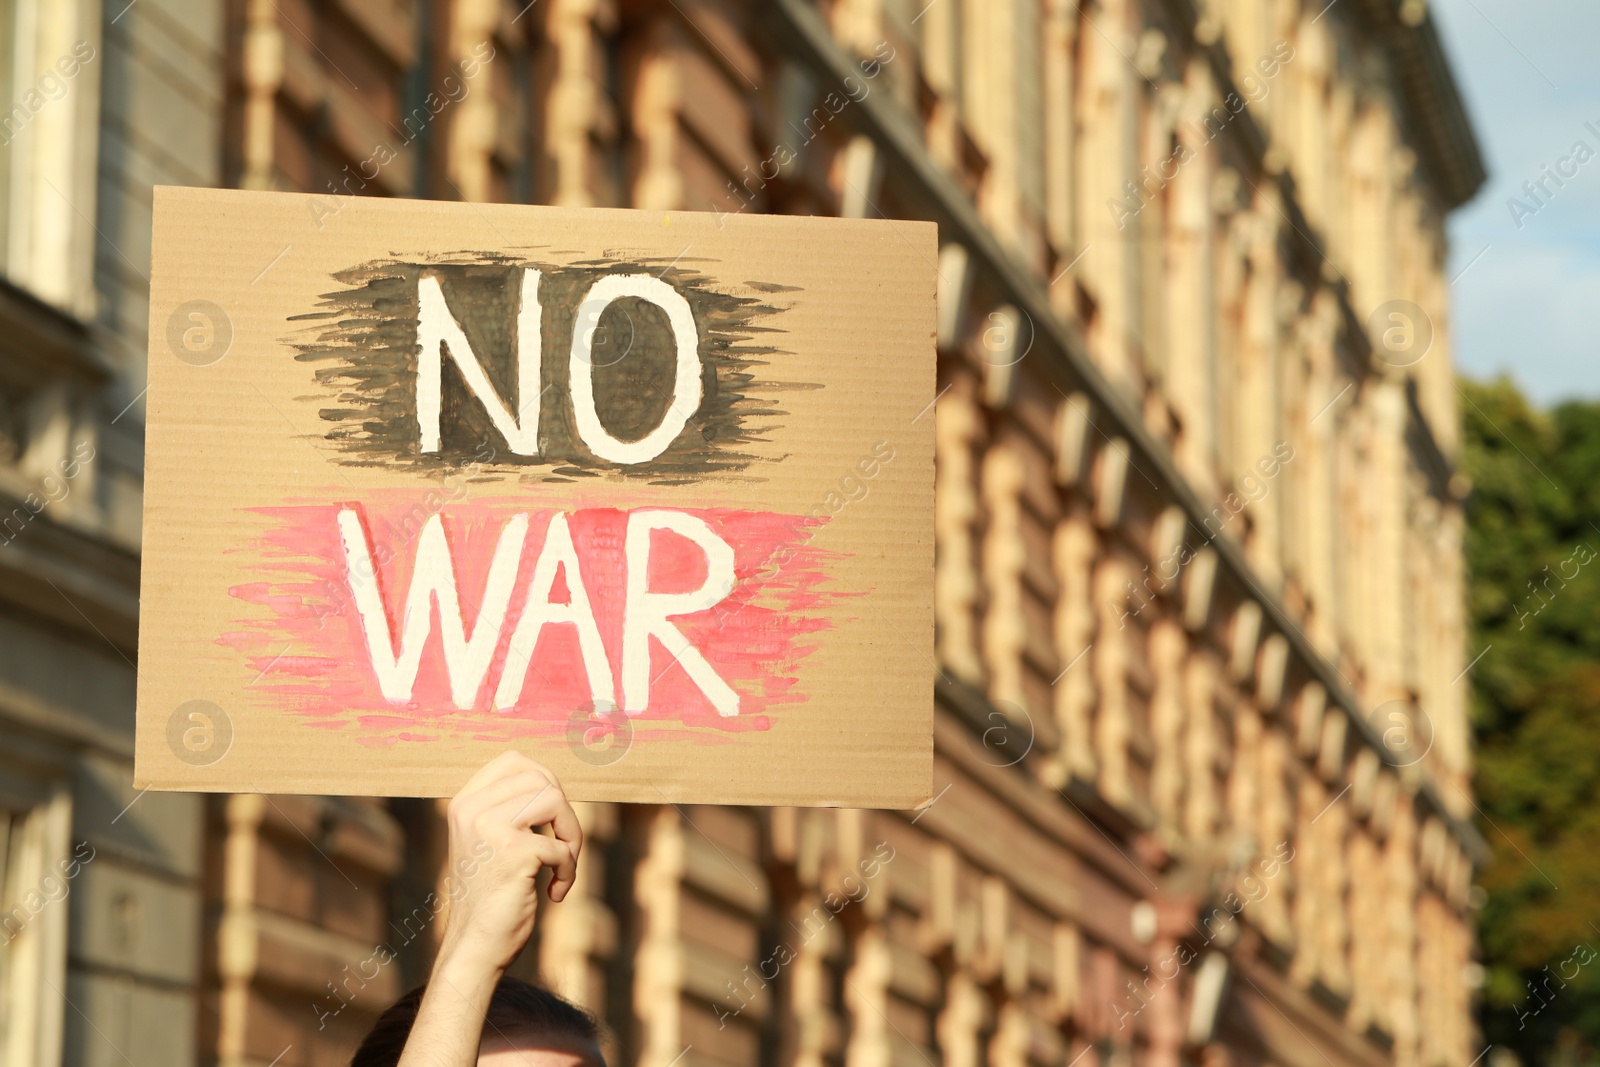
x=101, y=954
x=1202, y=764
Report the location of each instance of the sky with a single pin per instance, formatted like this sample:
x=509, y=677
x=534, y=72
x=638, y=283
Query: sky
x=1527, y=288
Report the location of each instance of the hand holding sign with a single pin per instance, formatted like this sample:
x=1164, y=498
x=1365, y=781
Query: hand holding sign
x=497, y=849
x=496, y=854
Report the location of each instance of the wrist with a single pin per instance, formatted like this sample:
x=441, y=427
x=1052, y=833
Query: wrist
x=467, y=965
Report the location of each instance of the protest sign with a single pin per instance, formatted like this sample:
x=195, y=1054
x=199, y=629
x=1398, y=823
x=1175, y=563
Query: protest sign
x=646, y=495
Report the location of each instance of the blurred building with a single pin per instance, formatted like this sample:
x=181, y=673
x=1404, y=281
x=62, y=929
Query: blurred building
x=1203, y=763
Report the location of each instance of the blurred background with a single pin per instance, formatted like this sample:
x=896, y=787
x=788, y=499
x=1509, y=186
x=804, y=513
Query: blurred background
x=1266, y=702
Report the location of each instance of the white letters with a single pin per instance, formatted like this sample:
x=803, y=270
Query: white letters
x=437, y=327
x=558, y=551
x=433, y=578
x=686, y=388
x=647, y=613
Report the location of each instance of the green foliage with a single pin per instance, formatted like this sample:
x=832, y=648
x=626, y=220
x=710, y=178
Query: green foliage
x=1533, y=555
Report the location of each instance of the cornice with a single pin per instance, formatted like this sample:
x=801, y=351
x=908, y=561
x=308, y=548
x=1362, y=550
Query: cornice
x=1430, y=102
x=40, y=343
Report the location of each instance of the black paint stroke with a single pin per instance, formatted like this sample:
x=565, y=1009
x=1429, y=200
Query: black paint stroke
x=365, y=351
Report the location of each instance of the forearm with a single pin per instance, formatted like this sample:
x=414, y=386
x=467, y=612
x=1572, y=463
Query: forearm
x=494, y=831
x=450, y=1019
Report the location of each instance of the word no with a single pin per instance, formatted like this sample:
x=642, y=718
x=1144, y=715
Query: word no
x=441, y=336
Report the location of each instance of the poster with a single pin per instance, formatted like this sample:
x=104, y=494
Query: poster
x=646, y=495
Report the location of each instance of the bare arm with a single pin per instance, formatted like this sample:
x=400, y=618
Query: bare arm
x=494, y=831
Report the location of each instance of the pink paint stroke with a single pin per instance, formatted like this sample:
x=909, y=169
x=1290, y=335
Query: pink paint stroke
x=309, y=650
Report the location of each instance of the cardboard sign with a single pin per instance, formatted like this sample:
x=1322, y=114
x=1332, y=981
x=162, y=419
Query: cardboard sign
x=648, y=496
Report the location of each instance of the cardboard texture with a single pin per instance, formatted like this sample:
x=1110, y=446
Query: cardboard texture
x=646, y=495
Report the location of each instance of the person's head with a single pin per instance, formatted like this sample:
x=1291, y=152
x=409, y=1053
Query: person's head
x=526, y=1026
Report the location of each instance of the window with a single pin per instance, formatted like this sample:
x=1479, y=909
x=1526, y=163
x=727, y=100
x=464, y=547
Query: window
x=9, y=121
x=49, y=90
x=34, y=883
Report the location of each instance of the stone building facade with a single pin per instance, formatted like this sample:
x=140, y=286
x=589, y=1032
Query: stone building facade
x=1202, y=761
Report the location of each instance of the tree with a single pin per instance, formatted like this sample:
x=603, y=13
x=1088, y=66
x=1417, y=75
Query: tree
x=1533, y=556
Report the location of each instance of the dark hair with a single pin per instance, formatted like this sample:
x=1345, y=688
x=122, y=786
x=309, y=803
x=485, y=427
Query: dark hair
x=517, y=1009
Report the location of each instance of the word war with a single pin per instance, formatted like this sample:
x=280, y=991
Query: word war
x=645, y=614
x=493, y=611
